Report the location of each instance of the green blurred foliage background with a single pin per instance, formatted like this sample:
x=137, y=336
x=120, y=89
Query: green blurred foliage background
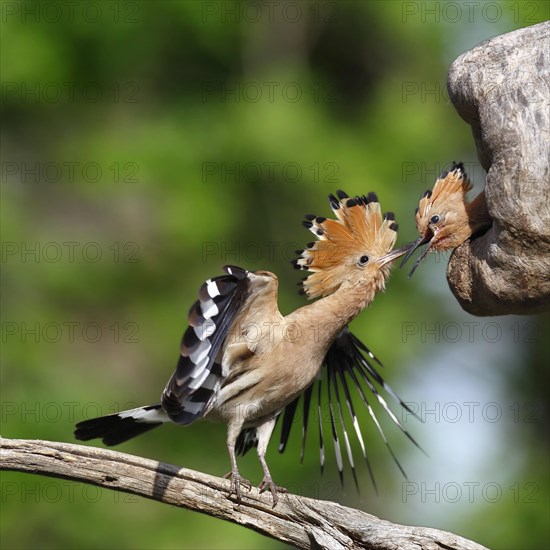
x=145, y=145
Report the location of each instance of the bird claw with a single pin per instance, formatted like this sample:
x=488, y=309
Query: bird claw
x=267, y=483
x=236, y=482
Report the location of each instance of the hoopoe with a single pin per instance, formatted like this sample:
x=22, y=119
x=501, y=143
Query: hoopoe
x=444, y=217
x=243, y=363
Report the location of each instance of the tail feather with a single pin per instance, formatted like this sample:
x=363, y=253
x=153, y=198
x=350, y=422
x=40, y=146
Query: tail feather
x=347, y=365
x=119, y=427
x=248, y=439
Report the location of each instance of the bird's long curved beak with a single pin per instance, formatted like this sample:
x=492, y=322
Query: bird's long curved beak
x=421, y=257
x=391, y=256
x=422, y=240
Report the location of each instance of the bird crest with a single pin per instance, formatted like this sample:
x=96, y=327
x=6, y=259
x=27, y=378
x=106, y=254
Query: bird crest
x=448, y=194
x=359, y=236
x=444, y=217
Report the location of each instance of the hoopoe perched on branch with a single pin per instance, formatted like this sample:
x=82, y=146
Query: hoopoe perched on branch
x=230, y=371
x=444, y=217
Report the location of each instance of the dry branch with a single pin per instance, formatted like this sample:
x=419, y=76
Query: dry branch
x=303, y=522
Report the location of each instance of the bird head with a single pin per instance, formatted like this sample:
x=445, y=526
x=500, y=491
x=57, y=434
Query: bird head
x=443, y=215
x=353, y=249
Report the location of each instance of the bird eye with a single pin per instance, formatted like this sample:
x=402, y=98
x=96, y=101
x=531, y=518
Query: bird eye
x=363, y=260
x=434, y=219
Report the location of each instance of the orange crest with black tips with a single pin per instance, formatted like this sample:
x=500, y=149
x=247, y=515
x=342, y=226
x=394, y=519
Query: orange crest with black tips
x=448, y=194
x=360, y=233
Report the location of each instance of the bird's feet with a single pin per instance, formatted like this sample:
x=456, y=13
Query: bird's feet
x=236, y=482
x=267, y=483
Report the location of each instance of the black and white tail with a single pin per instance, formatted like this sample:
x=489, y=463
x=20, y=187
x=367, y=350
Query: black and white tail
x=119, y=427
x=348, y=364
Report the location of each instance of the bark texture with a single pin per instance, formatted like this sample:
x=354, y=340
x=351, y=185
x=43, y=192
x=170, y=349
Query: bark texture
x=501, y=88
x=300, y=521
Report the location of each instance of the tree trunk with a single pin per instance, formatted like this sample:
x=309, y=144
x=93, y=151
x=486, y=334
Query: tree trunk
x=501, y=88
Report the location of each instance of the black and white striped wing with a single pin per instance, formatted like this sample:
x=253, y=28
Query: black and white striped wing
x=198, y=376
x=348, y=364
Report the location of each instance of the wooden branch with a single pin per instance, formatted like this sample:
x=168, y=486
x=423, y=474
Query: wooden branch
x=303, y=522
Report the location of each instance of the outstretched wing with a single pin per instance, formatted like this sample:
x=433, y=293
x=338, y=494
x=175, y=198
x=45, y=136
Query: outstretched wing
x=198, y=375
x=348, y=363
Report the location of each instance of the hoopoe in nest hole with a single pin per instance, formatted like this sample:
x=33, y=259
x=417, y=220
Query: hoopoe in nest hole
x=445, y=218
x=230, y=371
